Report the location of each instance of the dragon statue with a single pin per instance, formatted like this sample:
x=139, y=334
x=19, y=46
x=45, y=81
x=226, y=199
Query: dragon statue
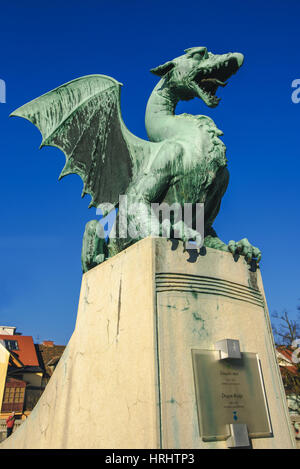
x=183, y=162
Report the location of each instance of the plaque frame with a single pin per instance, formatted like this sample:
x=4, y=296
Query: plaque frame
x=239, y=384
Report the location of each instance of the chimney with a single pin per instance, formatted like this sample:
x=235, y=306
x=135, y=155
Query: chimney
x=7, y=330
x=48, y=343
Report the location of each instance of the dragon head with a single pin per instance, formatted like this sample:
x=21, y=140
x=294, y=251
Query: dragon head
x=199, y=73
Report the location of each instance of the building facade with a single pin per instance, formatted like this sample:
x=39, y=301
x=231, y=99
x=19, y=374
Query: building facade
x=25, y=369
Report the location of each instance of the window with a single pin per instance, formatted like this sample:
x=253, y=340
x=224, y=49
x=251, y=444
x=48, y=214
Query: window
x=13, y=399
x=11, y=344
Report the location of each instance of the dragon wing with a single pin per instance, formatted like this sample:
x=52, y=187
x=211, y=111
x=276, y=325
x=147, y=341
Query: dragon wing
x=83, y=119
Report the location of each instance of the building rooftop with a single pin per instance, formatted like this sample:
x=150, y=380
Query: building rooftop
x=22, y=347
x=49, y=354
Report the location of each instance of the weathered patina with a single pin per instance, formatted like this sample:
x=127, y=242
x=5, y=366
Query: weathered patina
x=184, y=160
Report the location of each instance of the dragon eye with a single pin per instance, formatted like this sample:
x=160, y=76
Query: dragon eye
x=200, y=54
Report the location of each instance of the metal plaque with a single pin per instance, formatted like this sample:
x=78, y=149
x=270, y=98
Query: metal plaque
x=227, y=392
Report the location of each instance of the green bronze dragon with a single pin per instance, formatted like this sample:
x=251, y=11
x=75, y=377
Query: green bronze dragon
x=184, y=160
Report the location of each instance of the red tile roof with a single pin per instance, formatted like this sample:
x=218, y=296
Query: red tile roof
x=26, y=351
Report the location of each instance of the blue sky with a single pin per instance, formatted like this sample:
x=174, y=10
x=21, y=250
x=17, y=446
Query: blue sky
x=42, y=220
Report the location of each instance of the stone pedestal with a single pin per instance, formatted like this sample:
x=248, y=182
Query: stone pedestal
x=126, y=377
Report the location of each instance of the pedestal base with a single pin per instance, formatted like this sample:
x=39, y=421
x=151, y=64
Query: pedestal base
x=126, y=378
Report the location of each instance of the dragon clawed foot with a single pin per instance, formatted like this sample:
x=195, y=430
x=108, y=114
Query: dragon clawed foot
x=244, y=248
x=192, y=240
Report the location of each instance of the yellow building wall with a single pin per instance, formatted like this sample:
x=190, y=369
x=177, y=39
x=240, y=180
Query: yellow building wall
x=4, y=359
x=33, y=379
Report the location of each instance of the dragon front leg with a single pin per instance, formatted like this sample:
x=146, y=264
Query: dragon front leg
x=94, y=249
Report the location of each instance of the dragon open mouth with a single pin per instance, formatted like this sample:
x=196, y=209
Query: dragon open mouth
x=207, y=80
